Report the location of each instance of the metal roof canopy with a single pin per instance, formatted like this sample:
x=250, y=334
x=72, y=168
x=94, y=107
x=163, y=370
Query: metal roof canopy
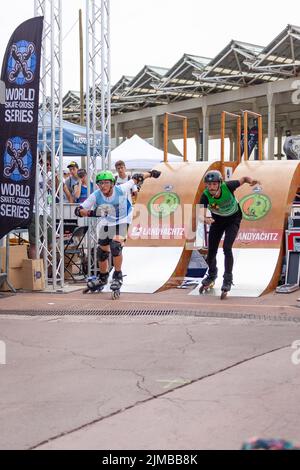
x=282, y=56
x=228, y=69
x=122, y=85
x=239, y=64
x=179, y=82
x=139, y=91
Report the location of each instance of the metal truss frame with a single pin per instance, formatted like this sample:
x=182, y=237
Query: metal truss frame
x=177, y=90
x=278, y=64
x=49, y=187
x=243, y=54
x=97, y=79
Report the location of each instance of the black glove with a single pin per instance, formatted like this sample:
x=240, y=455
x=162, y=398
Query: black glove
x=155, y=173
x=139, y=177
x=77, y=211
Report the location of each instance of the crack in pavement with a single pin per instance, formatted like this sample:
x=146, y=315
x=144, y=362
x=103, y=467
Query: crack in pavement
x=174, y=402
x=51, y=349
x=56, y=349
x=154, y=397
x=190, y=336
x=138, y=383
x=191, y=340
x=21, y=343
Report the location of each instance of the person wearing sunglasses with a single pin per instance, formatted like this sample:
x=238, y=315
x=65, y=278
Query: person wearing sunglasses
x=81, y=188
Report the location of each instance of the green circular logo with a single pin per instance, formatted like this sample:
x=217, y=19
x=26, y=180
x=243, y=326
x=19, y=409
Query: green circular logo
x=255, y=206
x=163, y=204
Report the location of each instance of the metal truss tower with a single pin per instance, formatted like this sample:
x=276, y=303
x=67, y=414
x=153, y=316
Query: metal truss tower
x=98, y=85
x=49, y=186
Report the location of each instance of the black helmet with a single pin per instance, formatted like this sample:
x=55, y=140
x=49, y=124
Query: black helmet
x=213, y=177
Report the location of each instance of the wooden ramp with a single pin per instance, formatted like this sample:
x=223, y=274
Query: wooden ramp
x=258, y=249
x=155, y=255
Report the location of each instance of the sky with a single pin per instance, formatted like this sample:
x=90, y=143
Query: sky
x=159, y=32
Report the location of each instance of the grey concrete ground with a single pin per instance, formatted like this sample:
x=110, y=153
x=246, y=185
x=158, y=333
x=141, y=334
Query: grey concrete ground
x=146, y=382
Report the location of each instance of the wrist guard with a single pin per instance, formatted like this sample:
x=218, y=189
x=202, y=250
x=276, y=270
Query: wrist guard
x=77, y=211
x=139, y=177
x=155, y=173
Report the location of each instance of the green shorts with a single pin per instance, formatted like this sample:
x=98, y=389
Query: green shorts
x=31, y=230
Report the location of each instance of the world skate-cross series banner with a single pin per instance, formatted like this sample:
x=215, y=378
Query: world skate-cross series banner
x=19, y=125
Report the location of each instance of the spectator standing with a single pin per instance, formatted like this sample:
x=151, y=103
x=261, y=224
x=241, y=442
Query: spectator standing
x=81, y=188
x=73, y=179
x=122, y=177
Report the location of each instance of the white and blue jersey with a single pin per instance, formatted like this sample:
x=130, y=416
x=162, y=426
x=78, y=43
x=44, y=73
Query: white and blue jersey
x=117, y=209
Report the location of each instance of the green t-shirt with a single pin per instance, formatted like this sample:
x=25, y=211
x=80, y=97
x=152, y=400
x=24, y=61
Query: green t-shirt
x=224, y=206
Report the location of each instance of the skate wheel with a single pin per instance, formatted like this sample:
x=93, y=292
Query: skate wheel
x=224, y=294
x=115, y=294
x=205, y=289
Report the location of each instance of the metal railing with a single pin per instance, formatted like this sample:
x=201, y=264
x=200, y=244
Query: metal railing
x=166, y=134
x=260, y=134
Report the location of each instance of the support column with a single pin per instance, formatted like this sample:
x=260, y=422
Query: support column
x=279, y=142
x=271, y=125
x=118, y=133
x=205, y=114
x=199, y=146
x=157, y=132
x=232, y=140
x=197, y=138
x=264, y=146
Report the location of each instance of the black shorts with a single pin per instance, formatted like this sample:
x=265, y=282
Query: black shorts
x=107, y=233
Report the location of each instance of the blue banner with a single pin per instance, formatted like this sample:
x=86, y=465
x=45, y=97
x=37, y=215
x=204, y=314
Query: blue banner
x=74, y=138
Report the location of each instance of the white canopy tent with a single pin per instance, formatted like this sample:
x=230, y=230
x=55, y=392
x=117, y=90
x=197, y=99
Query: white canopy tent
x=135, y=152
x=139, y=155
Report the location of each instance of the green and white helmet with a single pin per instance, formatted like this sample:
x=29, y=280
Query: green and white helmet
x=105, y=176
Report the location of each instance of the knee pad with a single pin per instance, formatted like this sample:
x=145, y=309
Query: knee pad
x=116, y=248
x=102, y=255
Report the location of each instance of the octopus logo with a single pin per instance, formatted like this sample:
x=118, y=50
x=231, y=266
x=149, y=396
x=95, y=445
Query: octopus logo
x=255, y=206
x=22, y=63
x=163, y=204
x=17, y=159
